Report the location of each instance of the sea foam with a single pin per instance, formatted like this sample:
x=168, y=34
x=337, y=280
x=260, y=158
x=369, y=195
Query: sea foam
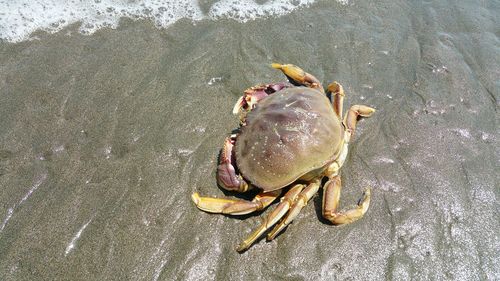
x=20, y=18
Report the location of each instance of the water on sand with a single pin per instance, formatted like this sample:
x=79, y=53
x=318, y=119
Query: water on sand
x=104, y=137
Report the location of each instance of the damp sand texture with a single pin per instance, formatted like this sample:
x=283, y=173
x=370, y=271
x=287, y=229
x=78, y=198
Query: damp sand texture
x=104, y=137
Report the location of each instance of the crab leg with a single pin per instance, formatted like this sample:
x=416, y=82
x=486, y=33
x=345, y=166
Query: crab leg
x=331, y=198
x=338, y=97
x=351, y=118
x=234, y=206
x=299, y=77
x=226, y=173
x=273, y=217
x=299, y=203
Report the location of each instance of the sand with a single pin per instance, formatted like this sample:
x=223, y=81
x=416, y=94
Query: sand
x=104, y=138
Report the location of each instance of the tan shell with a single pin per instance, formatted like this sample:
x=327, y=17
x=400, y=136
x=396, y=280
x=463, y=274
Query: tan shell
x=288, y=134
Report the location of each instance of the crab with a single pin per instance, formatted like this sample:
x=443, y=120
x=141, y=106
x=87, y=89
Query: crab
x=291, y=136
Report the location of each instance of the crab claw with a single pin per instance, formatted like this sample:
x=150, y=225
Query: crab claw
x=239, y=104
x=250, y=97
x=299, y=77
x=253, y=95
x=226, y=172
x=227, y=178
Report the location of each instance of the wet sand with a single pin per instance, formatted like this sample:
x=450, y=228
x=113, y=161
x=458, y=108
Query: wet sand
x=104, y=138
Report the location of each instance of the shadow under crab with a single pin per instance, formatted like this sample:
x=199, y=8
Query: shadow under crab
x=291, y=136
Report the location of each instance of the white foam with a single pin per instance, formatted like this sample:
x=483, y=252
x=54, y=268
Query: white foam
x=249, y=10
x=462, y=132
x=384, y=160
x=72, y=243
x=26, y=196
x=20, y=18
x=390, y=186
x=214, y=80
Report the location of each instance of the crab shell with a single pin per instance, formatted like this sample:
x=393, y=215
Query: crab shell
x=290, y=135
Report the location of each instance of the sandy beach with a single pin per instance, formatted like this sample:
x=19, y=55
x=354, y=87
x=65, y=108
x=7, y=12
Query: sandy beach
x=104, y=137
